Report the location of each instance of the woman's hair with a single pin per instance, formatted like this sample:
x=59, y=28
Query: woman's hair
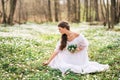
x=64, y=36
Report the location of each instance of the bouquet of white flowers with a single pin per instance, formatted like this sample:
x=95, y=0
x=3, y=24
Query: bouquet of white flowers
x=72, y=48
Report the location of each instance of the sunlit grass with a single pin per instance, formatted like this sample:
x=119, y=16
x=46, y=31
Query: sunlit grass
x=21, y=57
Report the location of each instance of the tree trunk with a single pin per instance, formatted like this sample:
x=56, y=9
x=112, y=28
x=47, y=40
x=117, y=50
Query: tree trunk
x=12, y=10
x=0, y=16
x=96, y=11
x=90, y=16
x=49, y=11
x=20, y=11
x=117, y=17
x=102, y=12
x=78, y=20
x=105, y=21
x=4, y=12
x=113, y=13
x=68, y=10
x=107, y=15
x=86, y=9
x=56, y=3
x=74, y=11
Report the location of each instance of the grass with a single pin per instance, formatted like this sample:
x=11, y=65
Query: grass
x=21, y=58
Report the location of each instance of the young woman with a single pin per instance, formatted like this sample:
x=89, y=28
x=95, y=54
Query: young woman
x=71, y=53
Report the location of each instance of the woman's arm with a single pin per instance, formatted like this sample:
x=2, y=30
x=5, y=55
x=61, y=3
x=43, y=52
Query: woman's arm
x=56, y=51
x=51, y=57
x=83, y=43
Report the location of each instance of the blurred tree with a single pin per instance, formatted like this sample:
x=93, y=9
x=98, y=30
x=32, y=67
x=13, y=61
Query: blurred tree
x=78, y=11
x=107, y=11
x=102, y=12
x=69, y=10
x=12, y=10
x=113, y=13
x=86, y=10
x=116, y=7
x=56, y=4
x=0, y=16
x=108, y=15
x=117, y=16
x=96, y=10
x=20, y=6
x=74, y=10
x=4, y=21
x=49, y=10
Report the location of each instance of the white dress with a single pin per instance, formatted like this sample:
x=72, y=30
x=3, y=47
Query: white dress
x=76, y=62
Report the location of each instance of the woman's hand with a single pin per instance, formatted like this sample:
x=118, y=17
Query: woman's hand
x=79, y=48
x=49, y=60
x=45, y=63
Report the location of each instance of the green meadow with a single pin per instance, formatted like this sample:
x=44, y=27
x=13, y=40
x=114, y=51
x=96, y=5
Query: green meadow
x=23, y=49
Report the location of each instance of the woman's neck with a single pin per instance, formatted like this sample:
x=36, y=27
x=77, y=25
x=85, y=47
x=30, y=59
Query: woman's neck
x=68, y=33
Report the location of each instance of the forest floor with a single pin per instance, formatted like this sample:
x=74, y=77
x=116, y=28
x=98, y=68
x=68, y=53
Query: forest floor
x=24, y=47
